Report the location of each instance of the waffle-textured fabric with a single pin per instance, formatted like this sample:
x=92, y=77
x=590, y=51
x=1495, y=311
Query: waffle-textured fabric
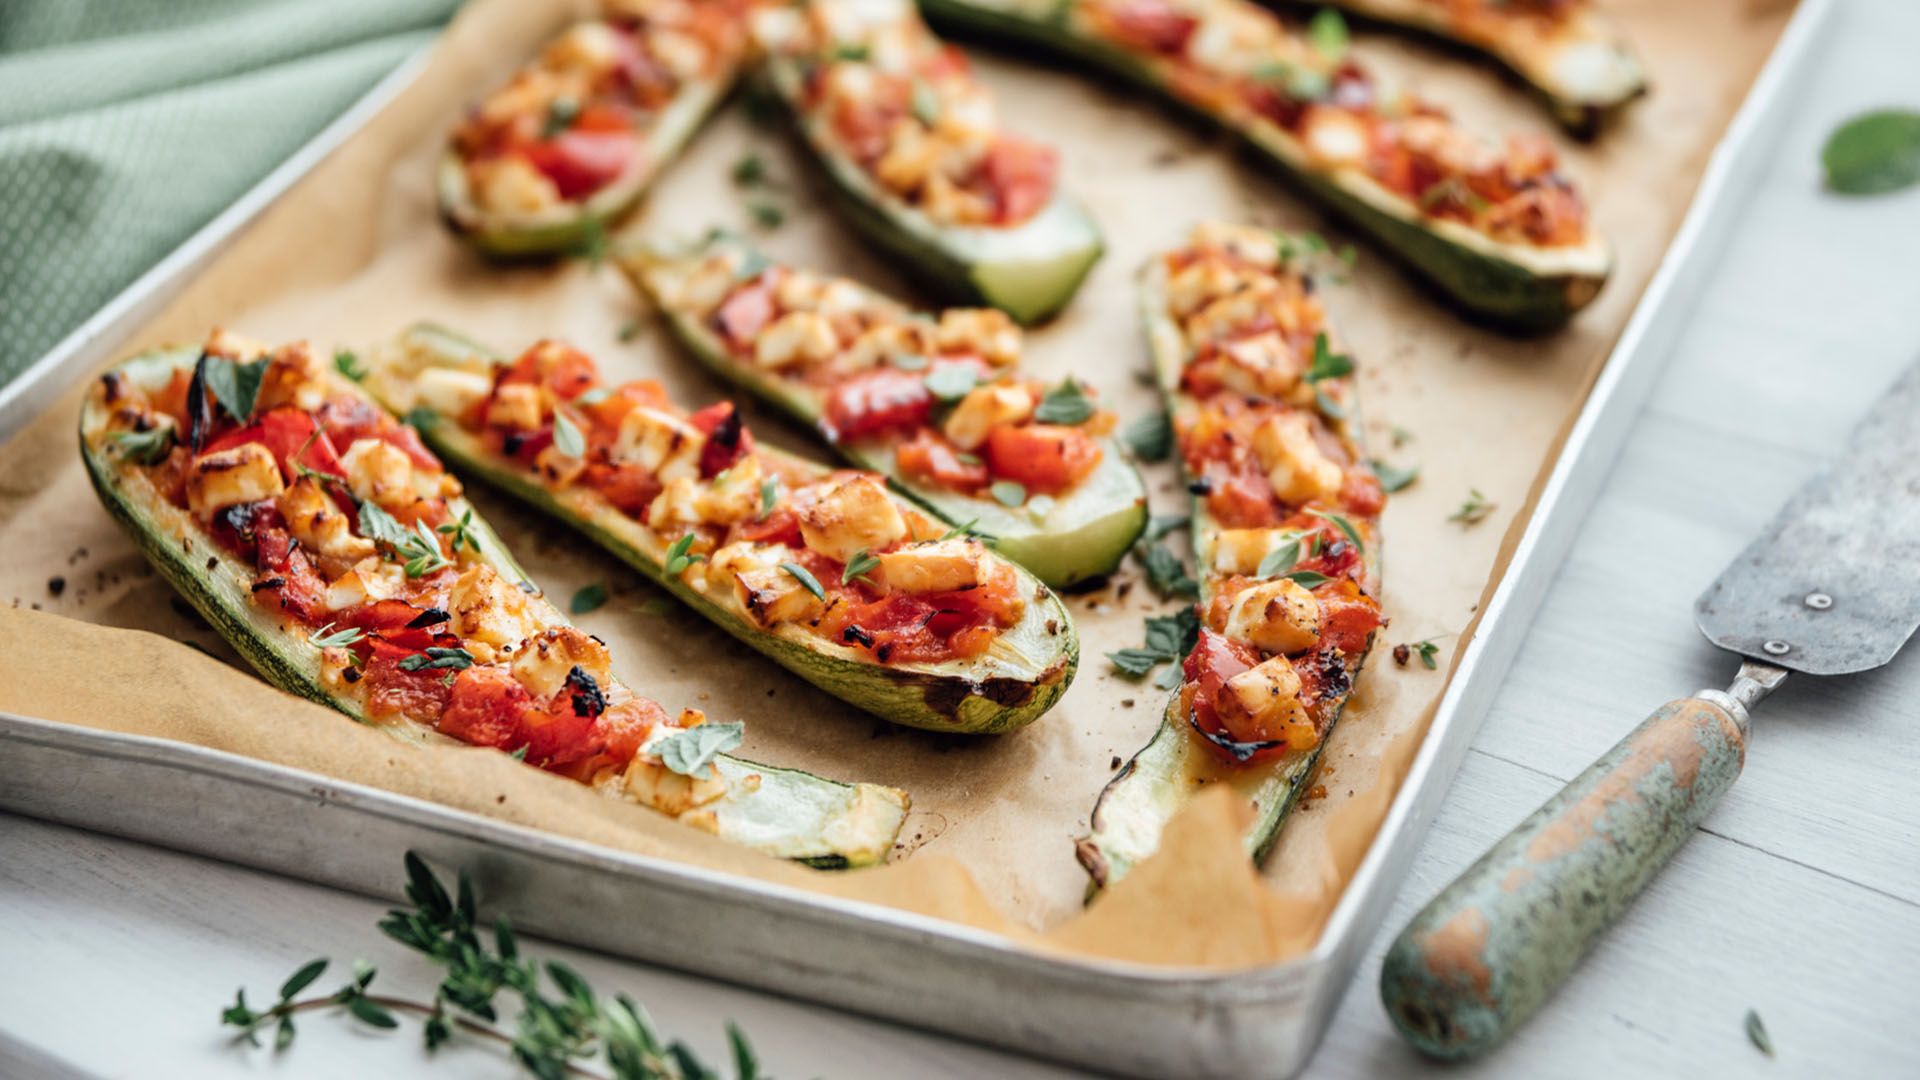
x=125, y=125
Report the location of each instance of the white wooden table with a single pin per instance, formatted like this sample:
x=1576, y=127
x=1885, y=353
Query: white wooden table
x=1801, y=899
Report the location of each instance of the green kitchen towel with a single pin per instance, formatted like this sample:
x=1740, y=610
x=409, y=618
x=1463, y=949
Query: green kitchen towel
x=125, y=125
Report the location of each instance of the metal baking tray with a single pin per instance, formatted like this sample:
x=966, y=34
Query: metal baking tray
x=1127, y=1018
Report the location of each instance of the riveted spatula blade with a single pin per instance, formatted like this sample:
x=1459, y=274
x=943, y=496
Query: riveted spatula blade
x=1832, y=585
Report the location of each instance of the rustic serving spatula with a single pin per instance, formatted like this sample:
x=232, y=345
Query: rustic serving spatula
x=1831, y=587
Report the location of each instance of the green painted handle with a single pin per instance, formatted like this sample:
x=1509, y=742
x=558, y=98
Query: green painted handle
x=1481, y=957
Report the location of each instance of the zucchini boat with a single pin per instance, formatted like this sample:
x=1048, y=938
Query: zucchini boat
x=1576, y=58
x=541, y=166
x=327, y=545
x=1285, y=538
x=824, y=571
x=1499, y=229
x=933, y=404
x=909, y=144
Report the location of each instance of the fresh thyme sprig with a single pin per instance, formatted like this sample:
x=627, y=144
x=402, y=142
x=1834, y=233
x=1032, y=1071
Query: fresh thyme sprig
x=559, y=1033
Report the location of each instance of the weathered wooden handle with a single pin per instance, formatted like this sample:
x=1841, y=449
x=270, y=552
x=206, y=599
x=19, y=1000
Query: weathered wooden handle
x=1486, y=952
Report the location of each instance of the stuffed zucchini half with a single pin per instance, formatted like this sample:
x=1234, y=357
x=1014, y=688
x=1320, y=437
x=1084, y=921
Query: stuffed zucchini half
x=1498, y=229
x=575, y=138
x=933, y=404
x=1569, y=52
x=327, y=545
x=910, y=146
x=825, y=572
x=1285, y=536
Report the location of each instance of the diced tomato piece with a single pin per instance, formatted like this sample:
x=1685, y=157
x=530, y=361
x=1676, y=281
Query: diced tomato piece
x=620, y=731
x=607, y=413
x=392, y=690
x=385, y=617
x=485, y=708
x=1242, y=500
x=1361, y=493
x=630, y=488
x=883, y=399
x=728, y=440
x=1046, y=459
x=746, y=312
x=929, y=457
x=863, y=128
x=555, y=733
x=1347, y=621
x=603, y=116
x=582, y=162
x=1215, y=659
x=1152, y=24
x=782, y=526
x=286, y=576
x=1021, y=174
x=349, y=418
x=284, y=431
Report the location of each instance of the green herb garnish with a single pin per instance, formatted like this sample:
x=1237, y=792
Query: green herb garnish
x=1328, y=33
x=236, y=385
x=567, y=437
x=1340, y=522
x=1394, y=478
x=1281, y=559
x=1474, y=510
x=462, y=532
x=347, y=363
x=691, y=752
x=1327, y=364
x=1167, y=574
x=769, y=495
x=678, y=558
x=1150, y=437
x=951, y=382
x=436, y=657
x=858, y=566
x=149, y=447
x=561, y=114
x=587, y=598
x=1065, y=404
x=806, y=579
x=328, y=638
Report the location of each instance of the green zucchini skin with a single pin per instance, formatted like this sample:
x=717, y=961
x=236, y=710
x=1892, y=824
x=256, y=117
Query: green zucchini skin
x=1137, y=803
x=1583, y=110
x=1486, y=279
x=573, y=228
x=953, y=697
x=788, y=813
x=1084, y=536
x=1030, y=271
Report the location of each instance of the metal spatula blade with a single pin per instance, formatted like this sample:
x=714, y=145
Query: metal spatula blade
x=1830, y=587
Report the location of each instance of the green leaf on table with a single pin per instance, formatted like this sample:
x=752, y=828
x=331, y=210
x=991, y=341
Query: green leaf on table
x=302, y=979
x=1874, y=153
x=1757, y=1033
x=347, y=363
x=1136, y=662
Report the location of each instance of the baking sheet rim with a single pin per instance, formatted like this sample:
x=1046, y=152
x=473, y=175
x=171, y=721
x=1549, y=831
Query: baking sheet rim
x=1508, y=612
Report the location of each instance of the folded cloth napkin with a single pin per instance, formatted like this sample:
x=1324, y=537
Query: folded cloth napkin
x=127, y=124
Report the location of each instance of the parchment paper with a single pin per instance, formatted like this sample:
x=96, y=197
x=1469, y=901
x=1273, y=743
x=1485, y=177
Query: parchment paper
x=355, y=252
